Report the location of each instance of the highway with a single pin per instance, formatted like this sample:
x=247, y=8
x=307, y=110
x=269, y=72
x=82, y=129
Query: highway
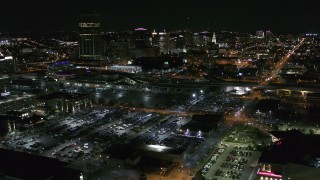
x=281, y=64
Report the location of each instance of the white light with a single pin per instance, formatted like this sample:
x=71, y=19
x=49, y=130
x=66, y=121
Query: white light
x=193, y=95
x=199, y=134
x=8, y=57
x=89, y=24
x=158, y=147
x=5, y=94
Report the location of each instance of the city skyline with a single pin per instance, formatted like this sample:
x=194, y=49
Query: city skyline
x=145, y=89
x=244, y=16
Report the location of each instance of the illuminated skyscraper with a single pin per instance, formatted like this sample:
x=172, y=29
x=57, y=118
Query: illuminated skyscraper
x=214, y=38
x=155, y=38
x=260, y=34
x=89, y=31
x=164, y=40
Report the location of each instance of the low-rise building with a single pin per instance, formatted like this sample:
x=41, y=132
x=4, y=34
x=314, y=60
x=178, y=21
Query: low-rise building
x=292, y=156
x=61, y=103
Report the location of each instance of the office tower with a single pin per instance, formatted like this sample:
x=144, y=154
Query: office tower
x=142, y=38
x=214, y=38
x=188, y=36
x=89, y=31
x=196, y=39
x=164, y=40
x=269, y=34
x=260, y=34
x=155, y=38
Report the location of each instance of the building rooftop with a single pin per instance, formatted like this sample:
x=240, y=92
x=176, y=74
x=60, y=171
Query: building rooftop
x=287, y=134
x=29, y=166
x=120, y=151
x=295, y=148
x=204, y=123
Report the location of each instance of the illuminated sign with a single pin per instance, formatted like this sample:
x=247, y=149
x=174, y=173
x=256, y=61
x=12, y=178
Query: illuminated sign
x=89, y=25
x=140, y=29
x=269, y=174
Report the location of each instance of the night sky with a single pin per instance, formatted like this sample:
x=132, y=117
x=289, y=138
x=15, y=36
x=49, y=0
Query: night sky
x=282, y=16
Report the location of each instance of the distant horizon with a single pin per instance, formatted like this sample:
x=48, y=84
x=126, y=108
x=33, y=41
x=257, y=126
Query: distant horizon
x=156, y=29
x=117, y=15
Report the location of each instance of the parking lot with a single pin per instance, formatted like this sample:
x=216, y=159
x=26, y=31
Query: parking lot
x=235, y=157
x=231, y=162
x=84, y=135
x=70, y=137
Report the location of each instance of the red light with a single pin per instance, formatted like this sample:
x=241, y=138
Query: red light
x=279, y=143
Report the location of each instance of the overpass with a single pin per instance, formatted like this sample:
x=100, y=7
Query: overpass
x=192, y=87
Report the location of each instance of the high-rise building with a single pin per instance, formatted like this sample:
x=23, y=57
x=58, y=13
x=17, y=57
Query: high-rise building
x=89, y=31
x=260, y=34
x=214, y=38
x=269, y=34
x=164, y=40
x=155, y=38
x=142, y=38
x=188, y=36
x=196, y=39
